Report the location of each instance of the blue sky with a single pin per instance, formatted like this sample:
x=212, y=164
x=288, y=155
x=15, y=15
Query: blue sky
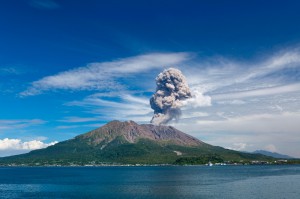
x=67, y=67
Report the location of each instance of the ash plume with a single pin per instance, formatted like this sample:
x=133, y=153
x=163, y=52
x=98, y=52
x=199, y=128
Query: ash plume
x=171, y=91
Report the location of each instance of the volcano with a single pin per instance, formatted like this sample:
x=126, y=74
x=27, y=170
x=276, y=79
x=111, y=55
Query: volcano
x=130, y=143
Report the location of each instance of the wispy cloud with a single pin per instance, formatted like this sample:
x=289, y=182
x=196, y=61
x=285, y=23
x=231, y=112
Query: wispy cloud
x=104, y=75
x=121, y=107
x=255, y=130
x=221, y=75
x=94, y=125
x=238, y=146
x=17, y=124
x=74, y=119
x=259, y=92
x=9, y=70
x=250, y=103
x=253, y=103
x=17, y=146
x=232, y=89
x=258, y=123
x=68, y=126
x=248, y=88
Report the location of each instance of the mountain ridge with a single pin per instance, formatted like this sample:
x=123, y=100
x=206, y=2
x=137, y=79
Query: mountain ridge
x=132, y=132
x=273, y=154
x=130, y=143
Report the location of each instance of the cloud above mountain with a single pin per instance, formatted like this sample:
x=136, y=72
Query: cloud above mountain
x=104, y=75
x=16, y=146
x=227, y=92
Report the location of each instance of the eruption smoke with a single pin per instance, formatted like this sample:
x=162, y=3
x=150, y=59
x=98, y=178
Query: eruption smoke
x=171, y=90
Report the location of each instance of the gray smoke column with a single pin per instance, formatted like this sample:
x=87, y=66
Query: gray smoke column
x=171, y=90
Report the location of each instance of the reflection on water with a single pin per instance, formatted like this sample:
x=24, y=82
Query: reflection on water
x=151, y=182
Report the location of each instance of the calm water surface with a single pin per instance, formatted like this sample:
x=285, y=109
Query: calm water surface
x=151, y=182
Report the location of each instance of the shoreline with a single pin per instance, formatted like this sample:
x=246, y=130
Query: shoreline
x=145, y=165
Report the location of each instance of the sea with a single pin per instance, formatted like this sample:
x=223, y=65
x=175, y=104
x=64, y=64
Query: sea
x=242, y=182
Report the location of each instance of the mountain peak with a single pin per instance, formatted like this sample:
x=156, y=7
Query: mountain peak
x=131, y=132
x=130, y=143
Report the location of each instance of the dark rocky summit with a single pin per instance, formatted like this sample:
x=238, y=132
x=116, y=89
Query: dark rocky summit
x=133, y=132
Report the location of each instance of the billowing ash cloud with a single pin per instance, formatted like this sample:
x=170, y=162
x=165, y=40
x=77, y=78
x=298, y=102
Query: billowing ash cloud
x=171, y=91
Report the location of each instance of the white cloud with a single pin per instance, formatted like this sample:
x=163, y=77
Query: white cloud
x=254, y=102
x=96, y=125
x=68, y=126
x=232, y=102
x=191, y=114
x=287, y=58
x=78, y=119
x=139, y=100
x=17, y=146
x=223, y=76
x=238, y=146
x=9, y=70
x=259, y=92
x=16, y=124
x=198, y=100
x=128, y=107
x=36, y=144
x=282, y=130
x=103, y=76
x=260, y=123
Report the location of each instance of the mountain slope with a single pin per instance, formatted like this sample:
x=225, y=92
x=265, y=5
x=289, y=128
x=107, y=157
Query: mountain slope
x=130, y=143
x=272, y=154
x=131, y=132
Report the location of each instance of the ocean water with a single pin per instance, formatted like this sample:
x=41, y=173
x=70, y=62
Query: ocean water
x=247, y=182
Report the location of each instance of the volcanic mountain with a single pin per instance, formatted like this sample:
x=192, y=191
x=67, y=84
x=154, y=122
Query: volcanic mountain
x=131, y=132
x=130, y=143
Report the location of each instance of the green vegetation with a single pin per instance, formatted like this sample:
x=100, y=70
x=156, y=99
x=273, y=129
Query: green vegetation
x=119, y=151
x=203, y=159
x=130, y=143
x=291, y=161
